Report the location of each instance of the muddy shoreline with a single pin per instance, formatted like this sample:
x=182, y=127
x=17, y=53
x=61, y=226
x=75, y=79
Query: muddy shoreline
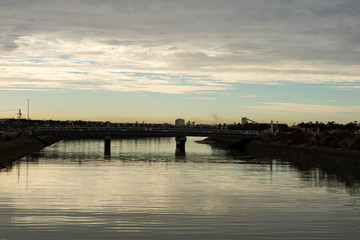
x=13, y=150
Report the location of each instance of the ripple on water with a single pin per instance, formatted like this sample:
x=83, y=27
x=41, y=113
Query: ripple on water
x=147, y=190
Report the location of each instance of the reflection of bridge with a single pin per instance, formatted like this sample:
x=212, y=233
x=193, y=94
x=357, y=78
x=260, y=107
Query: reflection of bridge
x=107, y=133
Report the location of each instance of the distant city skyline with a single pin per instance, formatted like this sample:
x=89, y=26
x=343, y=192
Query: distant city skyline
x=206, y=61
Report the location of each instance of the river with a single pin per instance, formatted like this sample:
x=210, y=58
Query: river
x=147, y=190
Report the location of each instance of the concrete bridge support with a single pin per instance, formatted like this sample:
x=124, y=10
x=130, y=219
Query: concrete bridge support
x=107, y=148
x=180, y=143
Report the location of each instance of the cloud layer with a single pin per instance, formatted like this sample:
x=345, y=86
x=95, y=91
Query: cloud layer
x=177, y=46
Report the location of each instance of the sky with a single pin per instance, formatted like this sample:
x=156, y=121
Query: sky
x=206, y=61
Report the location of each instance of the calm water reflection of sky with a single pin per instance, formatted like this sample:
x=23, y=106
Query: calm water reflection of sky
x=146, y=190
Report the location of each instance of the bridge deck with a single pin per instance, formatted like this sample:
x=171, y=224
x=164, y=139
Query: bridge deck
x=100, y=132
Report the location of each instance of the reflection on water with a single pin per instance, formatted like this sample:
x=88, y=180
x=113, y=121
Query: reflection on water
x=316, y=169
x=147, y=189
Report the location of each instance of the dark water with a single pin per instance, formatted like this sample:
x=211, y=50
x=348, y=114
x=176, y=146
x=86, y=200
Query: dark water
x=148, y=191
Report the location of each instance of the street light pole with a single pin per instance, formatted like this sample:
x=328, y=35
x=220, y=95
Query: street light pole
x=28, y=109
x=28, y=113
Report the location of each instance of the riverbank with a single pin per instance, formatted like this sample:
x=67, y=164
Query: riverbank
x=337, y=155
x=22, y=146
x=276, y=149
x=225, y=142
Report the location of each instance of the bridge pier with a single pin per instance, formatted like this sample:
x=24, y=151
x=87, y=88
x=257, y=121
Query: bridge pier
x=107, y=147
x=180, y=143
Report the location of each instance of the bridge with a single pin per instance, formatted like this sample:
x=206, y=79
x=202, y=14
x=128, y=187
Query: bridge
x=107, y=133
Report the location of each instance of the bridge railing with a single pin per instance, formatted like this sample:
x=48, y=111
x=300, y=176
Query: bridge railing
x=148, y=130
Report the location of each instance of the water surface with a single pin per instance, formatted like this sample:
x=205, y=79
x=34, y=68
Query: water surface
x=147, y=190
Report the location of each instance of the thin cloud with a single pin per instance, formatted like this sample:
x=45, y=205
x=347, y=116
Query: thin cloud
x=201, y=98
x=25, y=89
x=251, y=96
x=346, y=88
x=305, y=108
